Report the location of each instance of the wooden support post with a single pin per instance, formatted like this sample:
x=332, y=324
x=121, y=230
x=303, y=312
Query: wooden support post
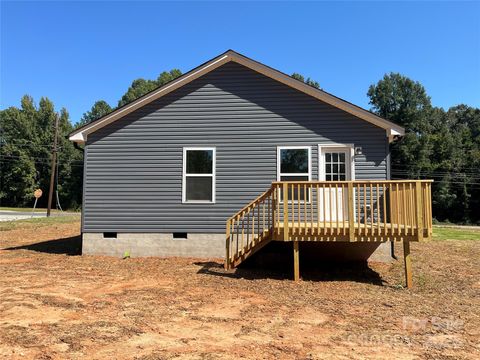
x=227, y=257
x=273, y=205
x=351, y=216
x=296, y=261
x=408, y=263
x=285, y=212
x=419, y=210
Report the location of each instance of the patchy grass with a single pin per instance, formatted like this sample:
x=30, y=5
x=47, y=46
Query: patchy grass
x=452, y=233
x=38, y=222
x=56, y=306
x=25, y=209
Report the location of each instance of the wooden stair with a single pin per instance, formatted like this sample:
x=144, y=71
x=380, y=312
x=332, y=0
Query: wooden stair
x=250, y=229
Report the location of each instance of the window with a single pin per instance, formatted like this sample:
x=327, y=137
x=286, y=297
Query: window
x=294, y=164
x=198, y=175
x=335, y=166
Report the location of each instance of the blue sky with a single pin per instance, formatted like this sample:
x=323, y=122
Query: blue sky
x=78, y=52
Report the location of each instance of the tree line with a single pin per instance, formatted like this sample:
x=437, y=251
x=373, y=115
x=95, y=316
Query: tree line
x=439, y=144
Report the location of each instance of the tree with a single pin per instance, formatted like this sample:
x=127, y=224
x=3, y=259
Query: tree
x=141, y=86
x=401, y=100
x=438, y=144
x=99, y=109
x=307, y=81
x=17, y=169
x=405, y=102
x=25, y=154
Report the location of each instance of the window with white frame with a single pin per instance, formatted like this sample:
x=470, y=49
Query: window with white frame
x=294, y=163
x=198, y=175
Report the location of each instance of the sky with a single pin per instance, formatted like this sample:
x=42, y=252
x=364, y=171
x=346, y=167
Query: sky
x=76, y=53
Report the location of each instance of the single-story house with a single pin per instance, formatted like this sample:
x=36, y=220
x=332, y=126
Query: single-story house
x=164, y=173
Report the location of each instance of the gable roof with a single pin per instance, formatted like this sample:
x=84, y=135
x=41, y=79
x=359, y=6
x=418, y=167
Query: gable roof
x=392, y=129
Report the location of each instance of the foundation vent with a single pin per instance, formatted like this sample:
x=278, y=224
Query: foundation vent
x=180, y=235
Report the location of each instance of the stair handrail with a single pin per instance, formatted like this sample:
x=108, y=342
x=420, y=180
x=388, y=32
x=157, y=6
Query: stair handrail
x=245, y=212
x=251, y=203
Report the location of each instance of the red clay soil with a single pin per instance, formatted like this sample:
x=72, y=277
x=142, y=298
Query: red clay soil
x=54, y=305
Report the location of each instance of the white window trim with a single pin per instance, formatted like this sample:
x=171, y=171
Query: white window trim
x=279, y=173
x=213, y=175
x=321, y=163
x=279, y=148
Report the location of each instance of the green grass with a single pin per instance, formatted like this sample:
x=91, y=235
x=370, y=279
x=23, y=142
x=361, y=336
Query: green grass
x=450, y=233
x=36, y=222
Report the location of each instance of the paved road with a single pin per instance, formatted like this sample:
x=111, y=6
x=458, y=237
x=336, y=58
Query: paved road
x=8, y=215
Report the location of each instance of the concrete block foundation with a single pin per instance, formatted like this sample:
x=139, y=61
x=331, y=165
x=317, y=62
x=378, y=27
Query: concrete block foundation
x=154, y=244
x=213, y=246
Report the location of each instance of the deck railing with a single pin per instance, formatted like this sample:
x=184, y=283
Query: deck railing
x=361, y=210
x=364, y=210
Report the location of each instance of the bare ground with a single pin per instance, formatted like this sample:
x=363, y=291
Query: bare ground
x=57, y=306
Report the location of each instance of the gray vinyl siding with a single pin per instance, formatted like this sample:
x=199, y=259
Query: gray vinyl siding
x=133, y=172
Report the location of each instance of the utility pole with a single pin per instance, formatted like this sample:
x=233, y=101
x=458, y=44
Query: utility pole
x=54, y=160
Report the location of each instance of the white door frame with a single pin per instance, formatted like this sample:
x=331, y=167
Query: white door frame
x=350, y=170
x=349, y=149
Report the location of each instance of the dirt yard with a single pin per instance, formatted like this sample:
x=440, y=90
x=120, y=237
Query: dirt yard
x=55, y=305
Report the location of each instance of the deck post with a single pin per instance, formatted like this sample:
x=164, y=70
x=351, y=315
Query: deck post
x=296, y=261
x=273, y=203
x=285, y=212
x=227, y=247
x=408, y=263
x=351, y=215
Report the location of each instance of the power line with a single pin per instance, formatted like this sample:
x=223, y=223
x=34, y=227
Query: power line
x=36, y=162
x=35, y=158
x=436, y=170
x=405, y=166
x=436, y=176
x=439, y=173
x=468, y=183
x=23, y=144
x=450, y=184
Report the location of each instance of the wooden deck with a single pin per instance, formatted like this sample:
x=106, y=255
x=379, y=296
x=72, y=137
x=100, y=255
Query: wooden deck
x=347, y=211
x=361, y=232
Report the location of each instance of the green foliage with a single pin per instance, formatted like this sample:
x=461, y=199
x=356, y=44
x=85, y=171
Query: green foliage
x=140, y=86
x=99, y=109
x=438, y=144
x=399, y=99
x=307, y=81
x=25, y=155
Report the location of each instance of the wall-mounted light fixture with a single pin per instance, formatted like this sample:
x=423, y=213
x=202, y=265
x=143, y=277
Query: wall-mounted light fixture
x=358, y=150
